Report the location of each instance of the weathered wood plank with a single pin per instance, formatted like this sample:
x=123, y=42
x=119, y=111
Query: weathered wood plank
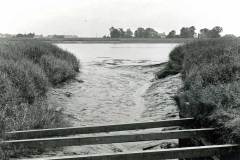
x=29, y=134
x=76, y=141
x=206, y=143
x=187, y=152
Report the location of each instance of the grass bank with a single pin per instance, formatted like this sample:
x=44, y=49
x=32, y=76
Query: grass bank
x=211, y=75
x=28, y=68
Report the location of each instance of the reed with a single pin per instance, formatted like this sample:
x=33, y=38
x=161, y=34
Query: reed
x=211, y=92
x=28, y=68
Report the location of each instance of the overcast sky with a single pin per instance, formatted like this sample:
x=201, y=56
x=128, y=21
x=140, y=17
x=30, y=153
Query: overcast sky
x=94, y=17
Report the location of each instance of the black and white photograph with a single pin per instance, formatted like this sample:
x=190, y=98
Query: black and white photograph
x=119, y=80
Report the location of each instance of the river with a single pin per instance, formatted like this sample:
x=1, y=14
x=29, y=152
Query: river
x=118, y=86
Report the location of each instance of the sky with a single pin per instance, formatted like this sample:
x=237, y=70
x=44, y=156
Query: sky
x=91, y=18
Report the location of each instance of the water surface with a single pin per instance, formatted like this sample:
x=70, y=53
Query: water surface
x=151, y=52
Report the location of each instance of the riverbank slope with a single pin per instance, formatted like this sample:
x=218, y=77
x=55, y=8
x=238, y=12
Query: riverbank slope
x=210, y=72
x=28, y=69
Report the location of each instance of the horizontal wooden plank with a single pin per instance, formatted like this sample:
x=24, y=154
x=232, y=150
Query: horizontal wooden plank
x=77, y=141
x=29, y=134
x=187, y=152
x=206, y=143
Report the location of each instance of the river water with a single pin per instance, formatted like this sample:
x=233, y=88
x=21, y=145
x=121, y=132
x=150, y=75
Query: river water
x=118, y=87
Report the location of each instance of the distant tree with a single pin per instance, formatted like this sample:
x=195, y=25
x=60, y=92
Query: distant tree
x=128, y=33
x=184, y=32
x=139, y=33
x=187, y=32
x=172, y=34
x=150, y=33
x=204, y=33
x=122, y=32
x=192, y=31
x=19, y=35
x=114, y=33
x=213, y=33
x=29, y=35
x=146, y=33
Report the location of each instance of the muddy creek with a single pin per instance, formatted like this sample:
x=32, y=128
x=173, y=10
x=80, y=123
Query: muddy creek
x=112, y=91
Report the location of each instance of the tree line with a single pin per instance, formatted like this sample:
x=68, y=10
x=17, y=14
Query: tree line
x=139, y=33
x=28, y=35
x=185, y=32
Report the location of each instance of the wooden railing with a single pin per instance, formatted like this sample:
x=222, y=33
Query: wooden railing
x=54, y=138
x=95, y=129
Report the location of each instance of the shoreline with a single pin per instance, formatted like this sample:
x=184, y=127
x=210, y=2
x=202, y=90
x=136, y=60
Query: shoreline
x=107, y=40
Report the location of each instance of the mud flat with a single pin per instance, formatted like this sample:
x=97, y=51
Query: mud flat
x=112, y=91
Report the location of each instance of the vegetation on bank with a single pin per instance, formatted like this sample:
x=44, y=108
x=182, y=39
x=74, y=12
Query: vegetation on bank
x=211, y=91
x=27, y=69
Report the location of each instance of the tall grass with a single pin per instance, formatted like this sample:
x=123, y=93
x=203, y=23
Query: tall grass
x=27, y=69
x=174, y=64
x=211, y=92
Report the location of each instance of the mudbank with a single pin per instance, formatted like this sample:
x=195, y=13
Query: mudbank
x=121, y=93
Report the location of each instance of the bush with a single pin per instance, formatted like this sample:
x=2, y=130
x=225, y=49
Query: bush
x=34, y=50
x=20, y=80
x=33, y=116
x=37, y=75
x=27, y=68
x=174, y=65
x=56, y=69
x=211, y=91
x=7, y=91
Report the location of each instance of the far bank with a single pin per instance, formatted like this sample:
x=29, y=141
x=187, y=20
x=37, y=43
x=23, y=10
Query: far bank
x=112, y=40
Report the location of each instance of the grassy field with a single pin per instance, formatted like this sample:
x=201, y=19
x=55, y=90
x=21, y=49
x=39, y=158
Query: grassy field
x=28, y=68
x=211, y=75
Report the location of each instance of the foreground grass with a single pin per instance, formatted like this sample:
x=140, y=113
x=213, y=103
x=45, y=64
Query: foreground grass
x=211, y=92
x=27, y=69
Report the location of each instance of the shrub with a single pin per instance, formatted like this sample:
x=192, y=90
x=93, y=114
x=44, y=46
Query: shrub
x=7, y=91
x=20, y=80
x=27, y=68
x=211, y=91
x=33, y=116
x=174, y=64
x=34, y=50
x=56, y=69
x=37, y=75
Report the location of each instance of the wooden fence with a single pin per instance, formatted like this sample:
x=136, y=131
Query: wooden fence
x=60, y=137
